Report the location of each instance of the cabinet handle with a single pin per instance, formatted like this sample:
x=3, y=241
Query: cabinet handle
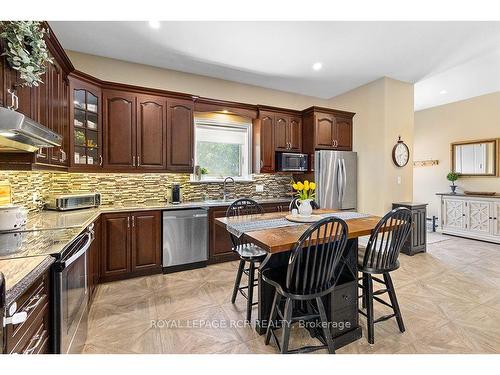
x=33, y=303
x=37, y=339
x=128, y=221
x=100, y=160
x=261, y=164
x=138, y=161
x=133, y=161
x=133, y=221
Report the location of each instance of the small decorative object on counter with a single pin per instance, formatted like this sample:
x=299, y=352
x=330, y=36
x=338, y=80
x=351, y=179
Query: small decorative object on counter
x=452, y=177
x=305, y=193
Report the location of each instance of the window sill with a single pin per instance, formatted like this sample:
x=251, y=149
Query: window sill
x=220, y=180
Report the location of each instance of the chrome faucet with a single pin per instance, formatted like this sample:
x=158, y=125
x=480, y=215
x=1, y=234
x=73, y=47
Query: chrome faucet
x=224, y=188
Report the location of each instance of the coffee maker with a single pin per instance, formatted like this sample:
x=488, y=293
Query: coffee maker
x=175, y=193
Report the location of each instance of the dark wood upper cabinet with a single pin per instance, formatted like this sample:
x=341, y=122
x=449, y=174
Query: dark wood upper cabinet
x=85, y=133
x=180, y=135
x=263, y=143
x=287, y=133
x=343, y=133
x=281, y=139
x=294, y=132
x=42, y=155
x=119, y=124
x=324, y=130
x=115, y=254
x=146, y=240
x=58, y=123
x=151, y=132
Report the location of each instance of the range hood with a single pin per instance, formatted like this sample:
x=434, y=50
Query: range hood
x=20, y=133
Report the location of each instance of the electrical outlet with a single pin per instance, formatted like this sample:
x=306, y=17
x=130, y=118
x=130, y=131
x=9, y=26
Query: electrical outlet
x=259, y=188
x=399, y=180
x=35, y=197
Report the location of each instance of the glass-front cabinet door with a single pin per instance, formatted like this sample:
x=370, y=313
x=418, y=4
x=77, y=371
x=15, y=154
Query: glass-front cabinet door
x=86, y=136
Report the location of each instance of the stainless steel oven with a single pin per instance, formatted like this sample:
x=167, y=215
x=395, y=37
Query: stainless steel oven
x=290, y=162
x=70, y=283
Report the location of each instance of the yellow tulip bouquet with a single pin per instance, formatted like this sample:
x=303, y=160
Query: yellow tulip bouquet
x=304, y=190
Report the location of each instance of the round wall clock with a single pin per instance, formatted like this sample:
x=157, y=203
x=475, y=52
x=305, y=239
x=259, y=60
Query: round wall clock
x=400, y=153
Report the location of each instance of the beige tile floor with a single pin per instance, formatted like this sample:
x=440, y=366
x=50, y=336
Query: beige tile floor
x=450, y=299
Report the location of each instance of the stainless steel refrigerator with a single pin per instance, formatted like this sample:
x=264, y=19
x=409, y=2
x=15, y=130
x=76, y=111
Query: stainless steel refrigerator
x=335, y=174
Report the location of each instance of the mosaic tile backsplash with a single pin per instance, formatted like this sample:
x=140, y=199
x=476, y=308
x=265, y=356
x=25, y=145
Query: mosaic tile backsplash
x=120, y=188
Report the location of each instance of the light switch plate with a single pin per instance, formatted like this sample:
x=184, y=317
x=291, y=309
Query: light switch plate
x=259, y=188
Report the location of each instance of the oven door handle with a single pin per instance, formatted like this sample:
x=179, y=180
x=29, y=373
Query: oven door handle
x=80, y=252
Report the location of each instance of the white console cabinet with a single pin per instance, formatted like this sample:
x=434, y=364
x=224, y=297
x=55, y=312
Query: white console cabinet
x=471, y=216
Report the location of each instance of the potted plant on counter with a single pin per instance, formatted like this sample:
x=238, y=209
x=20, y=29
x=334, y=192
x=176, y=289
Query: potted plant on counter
x=305, y=193
x=452, y=177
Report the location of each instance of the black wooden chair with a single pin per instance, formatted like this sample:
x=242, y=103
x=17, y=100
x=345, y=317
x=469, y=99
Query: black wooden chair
x=381, y=257
x=248, y=253
x=293, y=204
x=311, y=274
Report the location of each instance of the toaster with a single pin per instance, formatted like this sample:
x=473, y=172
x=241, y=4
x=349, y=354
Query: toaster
x=12, y=217
x=66, y=202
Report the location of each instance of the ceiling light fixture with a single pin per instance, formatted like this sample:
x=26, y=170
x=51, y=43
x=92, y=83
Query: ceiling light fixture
x=154, y=24
x=317, y=66
x=442, y=92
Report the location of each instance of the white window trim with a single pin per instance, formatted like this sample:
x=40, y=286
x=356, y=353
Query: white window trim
x=230, y=124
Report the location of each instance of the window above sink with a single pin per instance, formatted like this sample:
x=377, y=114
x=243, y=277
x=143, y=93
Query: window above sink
x=223, y=148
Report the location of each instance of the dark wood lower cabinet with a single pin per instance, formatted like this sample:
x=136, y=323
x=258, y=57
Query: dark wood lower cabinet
x=146, y=241
x=131, y=244
x=34, y=334
x=219, y=242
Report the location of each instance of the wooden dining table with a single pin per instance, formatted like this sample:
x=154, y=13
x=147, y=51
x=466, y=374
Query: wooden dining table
x=342, y=305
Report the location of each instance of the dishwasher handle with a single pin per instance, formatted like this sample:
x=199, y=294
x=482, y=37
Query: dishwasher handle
x=171, y=217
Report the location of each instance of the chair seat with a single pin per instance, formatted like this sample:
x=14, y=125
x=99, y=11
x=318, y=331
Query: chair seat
x=361, y=257
x=250, y=251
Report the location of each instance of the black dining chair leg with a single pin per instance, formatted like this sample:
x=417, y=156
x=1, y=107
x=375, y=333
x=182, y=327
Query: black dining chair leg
x=369, y=308
x=324, y=325
x=363, y=295
x=394, y=301
x=237, y=282
x=272, y=317
x=286, y=326
x=251, y=281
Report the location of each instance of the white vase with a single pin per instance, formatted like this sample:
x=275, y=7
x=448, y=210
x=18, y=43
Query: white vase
x=305, y=208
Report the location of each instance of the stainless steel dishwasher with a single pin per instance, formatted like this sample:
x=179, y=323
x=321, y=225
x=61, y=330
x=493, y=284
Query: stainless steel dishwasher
x=185, y=239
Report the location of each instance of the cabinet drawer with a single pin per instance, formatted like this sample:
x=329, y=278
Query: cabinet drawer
x=345, y=295
x=344, y=320
x=29, y=337
x=38, y=343
x=34, y=301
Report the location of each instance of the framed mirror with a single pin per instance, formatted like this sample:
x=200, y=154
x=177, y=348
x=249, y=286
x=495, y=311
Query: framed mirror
x=475, y=158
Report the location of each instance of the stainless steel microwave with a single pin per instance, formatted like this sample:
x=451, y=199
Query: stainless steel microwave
x=290, y=162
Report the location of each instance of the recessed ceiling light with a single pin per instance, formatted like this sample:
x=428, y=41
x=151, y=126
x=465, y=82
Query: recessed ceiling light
x=154, y=24
x=317, y=66
x=442, y=92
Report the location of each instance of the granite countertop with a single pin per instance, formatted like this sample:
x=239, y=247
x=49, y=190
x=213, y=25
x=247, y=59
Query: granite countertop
x=470, y=195
x=21, y=272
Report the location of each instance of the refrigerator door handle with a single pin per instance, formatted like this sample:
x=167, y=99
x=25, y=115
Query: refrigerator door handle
x=344, y=180
x=339, y=183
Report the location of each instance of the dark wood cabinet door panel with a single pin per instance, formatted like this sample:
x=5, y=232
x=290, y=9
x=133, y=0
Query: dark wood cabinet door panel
x=220, y=242
x=119, y=123
x=180, y=130
x=57, y=155
x=146, y=240
x=266, y=143
x=42, y=155
x=324, y=131
x=151, y=133
x=115, y=244
x=295, y=134
x=343, y=133
x=281, y=140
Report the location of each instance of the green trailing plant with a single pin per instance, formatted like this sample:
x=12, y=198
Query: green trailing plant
x=25, y=50
x=452, y=177
x=203, y=170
